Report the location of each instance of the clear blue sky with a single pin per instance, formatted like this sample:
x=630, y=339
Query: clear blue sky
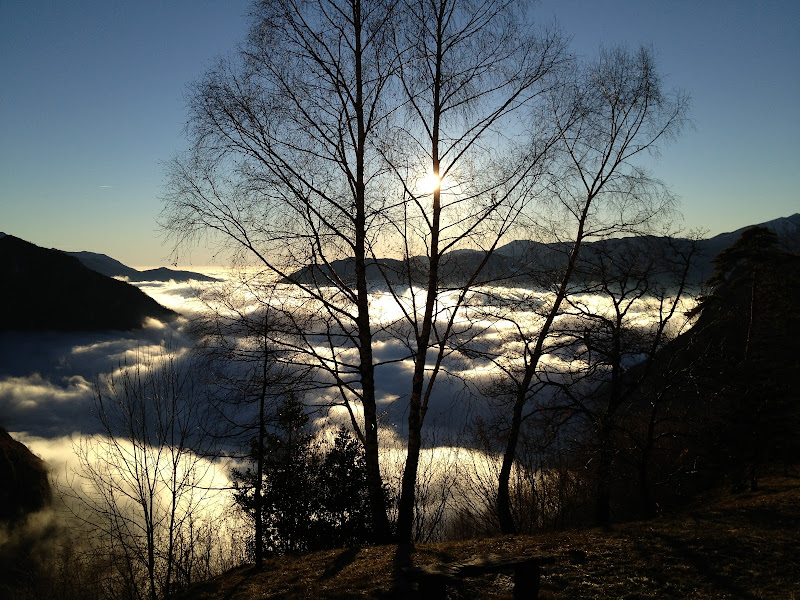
x=92, y=104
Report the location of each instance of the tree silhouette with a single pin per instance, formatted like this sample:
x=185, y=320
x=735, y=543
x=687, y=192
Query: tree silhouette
x=344, y=520
x=141, y=484
x=307, y=151
x=749, y=328
x=312, y=498
x=607, y=114
x=287, y=501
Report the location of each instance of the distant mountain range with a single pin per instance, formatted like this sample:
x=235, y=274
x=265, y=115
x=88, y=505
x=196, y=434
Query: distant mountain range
x=113, y=268
x=518, y=262
x=50, y=290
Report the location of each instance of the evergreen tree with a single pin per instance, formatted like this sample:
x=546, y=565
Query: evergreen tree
x=345, y=518
x=755, y=246
x=748, y=331
x=311, y=499
x=290, y=466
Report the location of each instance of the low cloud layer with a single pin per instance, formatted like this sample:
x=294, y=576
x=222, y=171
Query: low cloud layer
x=47, y=379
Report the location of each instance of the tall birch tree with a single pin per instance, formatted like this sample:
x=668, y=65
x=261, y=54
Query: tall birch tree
x=307, y=151
x=609, y=115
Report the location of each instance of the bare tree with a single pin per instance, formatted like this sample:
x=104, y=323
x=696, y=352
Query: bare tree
x=607, y=115
x=141, y=484
x=307, y=154
x=281, y=162
x=246, y=376
x=468, y=72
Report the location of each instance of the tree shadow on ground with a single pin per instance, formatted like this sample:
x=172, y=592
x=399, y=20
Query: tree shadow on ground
x=340, y=562
x=705, y=568
x=401, y=585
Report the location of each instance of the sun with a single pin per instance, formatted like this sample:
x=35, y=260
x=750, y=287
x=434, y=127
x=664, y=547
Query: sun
x=428, y=184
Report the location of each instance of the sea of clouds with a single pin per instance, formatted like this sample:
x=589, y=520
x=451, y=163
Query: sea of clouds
x=48, y=379
x=49, y=383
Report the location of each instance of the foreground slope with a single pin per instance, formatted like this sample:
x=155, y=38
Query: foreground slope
x=49, y=290
x=727, y=546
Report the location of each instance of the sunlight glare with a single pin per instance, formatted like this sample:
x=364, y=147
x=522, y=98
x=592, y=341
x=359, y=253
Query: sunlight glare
x=429, y=184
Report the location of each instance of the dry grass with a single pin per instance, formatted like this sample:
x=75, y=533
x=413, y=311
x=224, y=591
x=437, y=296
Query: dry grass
x=730, y=546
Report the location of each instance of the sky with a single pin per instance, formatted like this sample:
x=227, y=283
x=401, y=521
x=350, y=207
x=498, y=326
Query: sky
x=92, y=105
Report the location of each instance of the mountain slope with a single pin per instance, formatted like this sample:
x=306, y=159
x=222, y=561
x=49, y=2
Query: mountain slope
x=787, y=229
x=524, y=262
x=113, y=268
x=47, y=289
x=551, y=255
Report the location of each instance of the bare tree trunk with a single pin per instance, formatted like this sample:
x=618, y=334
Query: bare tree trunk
x=380, y=520
x=258, y=499
x=405, y=512
x=509, y=456
x=645, y=496
x=603, y=473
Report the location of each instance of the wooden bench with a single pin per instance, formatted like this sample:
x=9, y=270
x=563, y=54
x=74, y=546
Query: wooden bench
x=433, y=580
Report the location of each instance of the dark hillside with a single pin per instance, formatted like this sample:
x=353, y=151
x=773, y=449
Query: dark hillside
x=49, y=290
x=743, y=359
x=25, y=487
x=723, y=400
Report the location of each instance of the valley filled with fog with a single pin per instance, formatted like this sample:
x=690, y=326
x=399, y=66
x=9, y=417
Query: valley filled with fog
x=152, y=429
x=456, y=298
x=47, y=379
x=50, y=381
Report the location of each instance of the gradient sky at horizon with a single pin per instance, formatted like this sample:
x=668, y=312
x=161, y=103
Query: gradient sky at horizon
x=92, y=105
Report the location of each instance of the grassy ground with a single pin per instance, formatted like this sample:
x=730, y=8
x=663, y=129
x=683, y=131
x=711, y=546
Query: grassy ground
x=730, y=546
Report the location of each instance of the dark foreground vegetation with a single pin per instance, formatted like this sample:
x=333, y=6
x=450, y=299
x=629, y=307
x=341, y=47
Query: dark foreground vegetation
x=726, y=546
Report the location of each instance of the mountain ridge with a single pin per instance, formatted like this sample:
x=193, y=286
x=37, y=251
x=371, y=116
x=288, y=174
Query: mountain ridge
x=110, y=267
x=519, y=261
x=51, y=290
